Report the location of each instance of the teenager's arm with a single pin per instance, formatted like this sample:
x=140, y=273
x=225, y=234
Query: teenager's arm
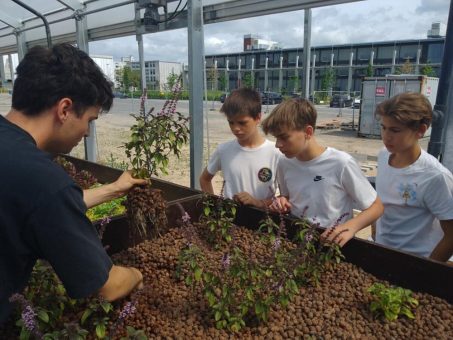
x=121, y=281
x=247, y=199
x=206, y=182
x=107, y=192
x=280, y=204
x=444, y=249
x=344, y=232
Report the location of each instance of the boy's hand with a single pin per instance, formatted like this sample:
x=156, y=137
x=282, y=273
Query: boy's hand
x=125, y=182
x=340, y=235
x=280, y=204
x=247, y=199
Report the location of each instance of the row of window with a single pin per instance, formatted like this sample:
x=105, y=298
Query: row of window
x=428, y=51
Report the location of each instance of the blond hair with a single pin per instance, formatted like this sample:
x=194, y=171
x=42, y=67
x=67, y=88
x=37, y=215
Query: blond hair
x=410, y=109
x=291, y=114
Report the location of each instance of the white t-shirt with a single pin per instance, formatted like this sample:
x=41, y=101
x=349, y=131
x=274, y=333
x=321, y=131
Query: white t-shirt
x=325, y=188
x=246, y=169
x=415, y=198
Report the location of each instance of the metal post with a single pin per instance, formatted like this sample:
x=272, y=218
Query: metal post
x=313, y=77
x=296, y=75
x=11, y=68
x=441, y=140
x=417, y=61
x=141, y=59
x=351, y=59
x=306, y=53
x=2, y=71
x=394, y=61
x=266, y=80
x=280, y=76
x=196, y=57
x=252, y=74
x=90, y=144
x=227, y=77
x=239, y=82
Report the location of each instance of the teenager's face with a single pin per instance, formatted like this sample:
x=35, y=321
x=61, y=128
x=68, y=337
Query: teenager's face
x=291, y=143
x=243, y=126
x=76, y=127
x=397, y=137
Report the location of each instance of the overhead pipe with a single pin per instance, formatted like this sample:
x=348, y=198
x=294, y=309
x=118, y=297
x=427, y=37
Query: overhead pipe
x=46, y=24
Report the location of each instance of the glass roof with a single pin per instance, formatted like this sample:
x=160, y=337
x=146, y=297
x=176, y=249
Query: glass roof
x=102, y=14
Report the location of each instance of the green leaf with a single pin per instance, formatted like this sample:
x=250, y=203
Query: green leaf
x=217, y=316
x=100, y=331
x=198, y=272
x=85, y=315
x=43, y=316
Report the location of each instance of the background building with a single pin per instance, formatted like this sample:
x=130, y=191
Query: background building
x=341, y=66
x=157, y=72
x=106, y=64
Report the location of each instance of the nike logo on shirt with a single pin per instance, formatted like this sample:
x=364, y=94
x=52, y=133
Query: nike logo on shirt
x=318, y=178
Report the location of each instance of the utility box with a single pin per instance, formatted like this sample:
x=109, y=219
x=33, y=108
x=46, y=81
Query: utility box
x=377, y=89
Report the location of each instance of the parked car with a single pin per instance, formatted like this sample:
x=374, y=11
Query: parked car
x=341, y=100
x=271, y=98
x=356, y=103
x=120, y=95
x=223, y=97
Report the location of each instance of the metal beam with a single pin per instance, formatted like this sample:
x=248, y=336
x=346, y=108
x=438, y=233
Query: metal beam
x=225, y=11
x=9, y=20
x=196, y=60
x=306, y=54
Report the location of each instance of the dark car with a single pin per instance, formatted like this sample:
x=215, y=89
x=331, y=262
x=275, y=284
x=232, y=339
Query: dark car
x=341, y=100
x=271, y=98
x=222, y=97
x=120, y=95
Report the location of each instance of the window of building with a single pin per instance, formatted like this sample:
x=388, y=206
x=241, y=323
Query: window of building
x=326, y=55
x=385, y=53
x=435, y=52
x=408, y=52
x=344, y=54
x=364, y=53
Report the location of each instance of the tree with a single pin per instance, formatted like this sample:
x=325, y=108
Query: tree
x=130, y=78
x=369, y=70
x=247, y=80
x=294, y=83
x=407, y=68
x=223, y=81
x=428, y=70
x=171, y=80
x=328, y=80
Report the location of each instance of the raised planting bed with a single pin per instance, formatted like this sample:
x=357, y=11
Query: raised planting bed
x=105, y=174
x=338, y=307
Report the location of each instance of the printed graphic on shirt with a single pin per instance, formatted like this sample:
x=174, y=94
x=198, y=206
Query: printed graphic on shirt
x=318, y=178
x=265, y=174
x=408, y=192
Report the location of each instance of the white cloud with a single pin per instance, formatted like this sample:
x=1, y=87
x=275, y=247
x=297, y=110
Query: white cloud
x=357, y=22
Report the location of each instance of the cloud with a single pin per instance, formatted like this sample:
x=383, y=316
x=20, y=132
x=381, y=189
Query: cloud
x=436, y=6
x=352, y=23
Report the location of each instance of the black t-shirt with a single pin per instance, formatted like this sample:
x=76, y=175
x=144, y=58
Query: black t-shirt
x=42, y=215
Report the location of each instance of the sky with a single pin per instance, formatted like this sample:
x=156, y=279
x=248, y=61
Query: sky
x=358, y=22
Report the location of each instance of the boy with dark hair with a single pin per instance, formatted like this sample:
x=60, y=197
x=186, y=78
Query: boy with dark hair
x=250, y=161
x=316, y=182
x=416, y=190
x=57, y=92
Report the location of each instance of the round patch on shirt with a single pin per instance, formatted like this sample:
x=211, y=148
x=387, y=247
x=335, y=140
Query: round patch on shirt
x=265, y=174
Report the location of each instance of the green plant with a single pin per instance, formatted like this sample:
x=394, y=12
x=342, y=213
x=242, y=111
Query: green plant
x=113, y=162
x=107, y=209
x=218, y=215
x=155, y=136
x=134, y=334
x=243, y=287
x=391, y=302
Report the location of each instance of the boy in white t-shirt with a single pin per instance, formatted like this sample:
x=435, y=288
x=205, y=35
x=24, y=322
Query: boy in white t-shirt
x=416, y=190
x=249, y=162
x=316, y=182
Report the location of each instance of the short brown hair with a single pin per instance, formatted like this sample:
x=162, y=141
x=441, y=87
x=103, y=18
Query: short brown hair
x=243, y=101
x=409, y=108
x=291, y=114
